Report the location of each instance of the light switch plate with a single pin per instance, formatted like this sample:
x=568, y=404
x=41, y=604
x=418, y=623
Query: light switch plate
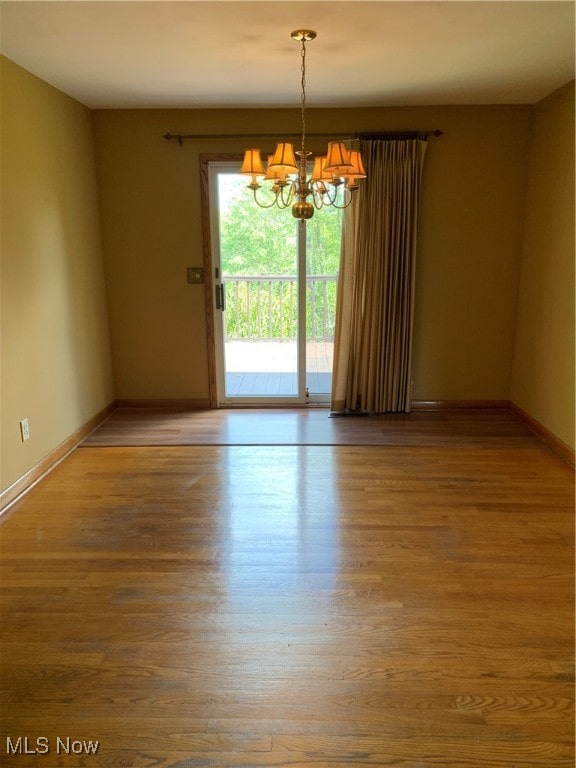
x=25, y=430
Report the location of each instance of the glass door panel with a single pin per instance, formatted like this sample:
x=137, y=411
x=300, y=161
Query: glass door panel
x=258, y=251
x=323, y=240
x=275, y=296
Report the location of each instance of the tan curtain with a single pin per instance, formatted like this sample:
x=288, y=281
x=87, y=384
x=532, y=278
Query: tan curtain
x=375, y=301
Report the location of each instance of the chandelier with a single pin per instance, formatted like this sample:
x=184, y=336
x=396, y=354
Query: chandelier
x=334, y=176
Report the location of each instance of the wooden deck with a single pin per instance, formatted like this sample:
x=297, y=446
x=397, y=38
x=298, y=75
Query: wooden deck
x=268, y=369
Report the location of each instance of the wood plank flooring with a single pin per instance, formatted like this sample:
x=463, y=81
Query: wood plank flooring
x=311, y=426
x=308, y=606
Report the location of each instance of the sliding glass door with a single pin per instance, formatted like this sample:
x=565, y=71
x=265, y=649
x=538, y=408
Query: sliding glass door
x=274, y=297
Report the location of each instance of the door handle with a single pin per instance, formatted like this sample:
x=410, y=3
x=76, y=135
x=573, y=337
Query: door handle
x=220, y=297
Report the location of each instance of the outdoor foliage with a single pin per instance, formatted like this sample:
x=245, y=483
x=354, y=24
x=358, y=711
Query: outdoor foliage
x=263, y=242
x=264, y=308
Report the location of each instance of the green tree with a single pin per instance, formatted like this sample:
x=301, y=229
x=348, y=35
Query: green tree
x=257, y=241
x=323, y=237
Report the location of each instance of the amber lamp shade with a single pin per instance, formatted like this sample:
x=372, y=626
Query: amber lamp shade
x=252, y=164
x=356, y=171
x=319, y=172
x=357, y=166
x=284, y=157
x=338, y=158
x=275, y=173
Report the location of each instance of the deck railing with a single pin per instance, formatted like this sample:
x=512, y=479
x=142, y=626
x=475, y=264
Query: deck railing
x=266, y=308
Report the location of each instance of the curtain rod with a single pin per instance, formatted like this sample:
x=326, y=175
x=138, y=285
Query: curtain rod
x=382, y=135
x=391, y=135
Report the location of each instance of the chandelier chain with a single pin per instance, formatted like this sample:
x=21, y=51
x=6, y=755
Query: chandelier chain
x=303, y=99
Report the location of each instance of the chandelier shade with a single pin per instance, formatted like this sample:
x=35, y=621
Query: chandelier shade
x=356, y=171
x=284, y=158
x=337, y=159
x=252, y=166
x=319, y=172
x=357, y=168
x=334, y=176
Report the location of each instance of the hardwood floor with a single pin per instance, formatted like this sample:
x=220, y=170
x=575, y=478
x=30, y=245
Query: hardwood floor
x=309, y=606
x=311, y=426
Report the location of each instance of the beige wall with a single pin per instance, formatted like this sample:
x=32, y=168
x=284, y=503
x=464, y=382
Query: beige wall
x=470, y=247
x=543, y=372
x=56, y=366
x=56, y=350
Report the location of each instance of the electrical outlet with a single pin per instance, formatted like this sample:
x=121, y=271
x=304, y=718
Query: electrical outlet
x=25, y=430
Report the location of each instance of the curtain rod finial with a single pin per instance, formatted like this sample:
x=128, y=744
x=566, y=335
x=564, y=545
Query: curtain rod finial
x=170, y=136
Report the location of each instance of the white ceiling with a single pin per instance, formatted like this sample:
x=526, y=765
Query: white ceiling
x=239, y=54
